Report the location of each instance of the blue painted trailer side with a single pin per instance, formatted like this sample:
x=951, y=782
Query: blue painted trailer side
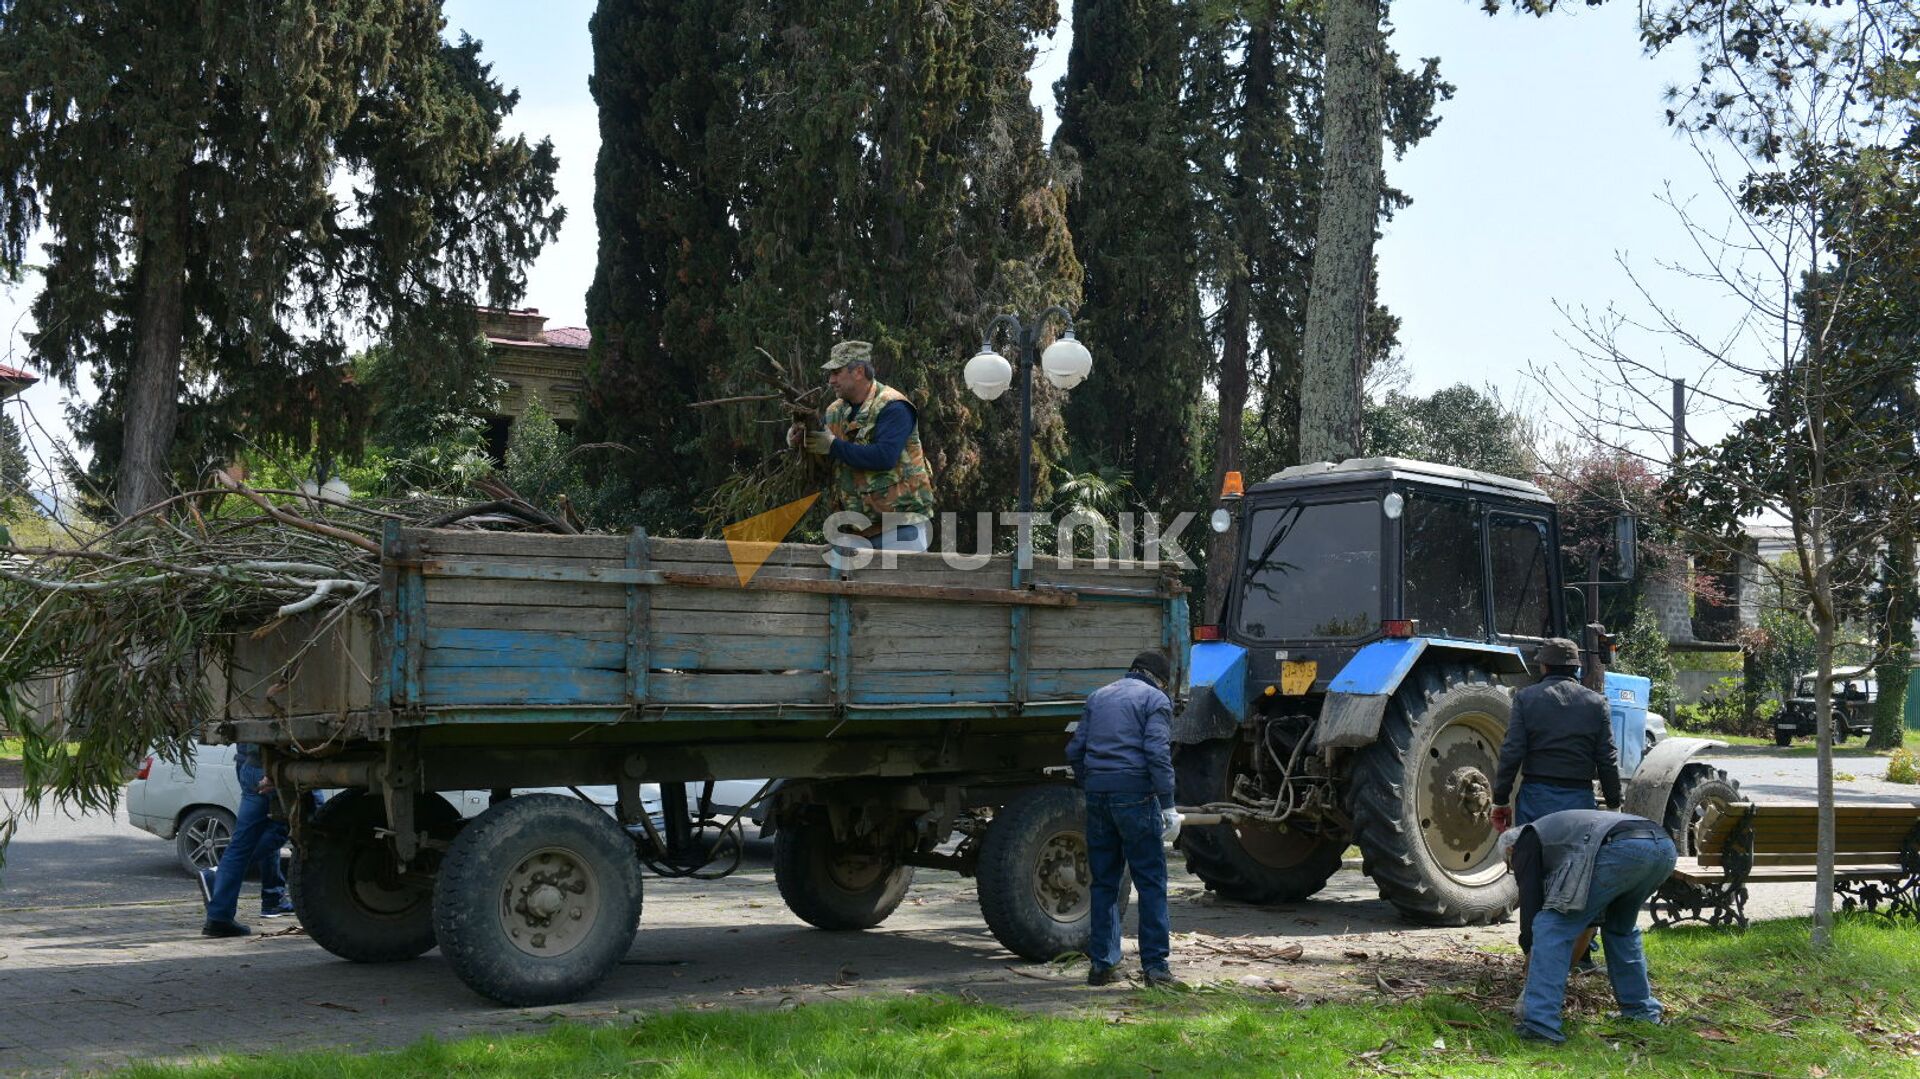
x=441, y=667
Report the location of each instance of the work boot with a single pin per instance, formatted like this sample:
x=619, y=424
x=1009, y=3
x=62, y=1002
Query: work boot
x=1162, y=979
x=1099, y=975
x=224, y=929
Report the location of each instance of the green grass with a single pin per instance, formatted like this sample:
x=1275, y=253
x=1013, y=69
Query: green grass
x=1803, y=746
x=1755, y=1003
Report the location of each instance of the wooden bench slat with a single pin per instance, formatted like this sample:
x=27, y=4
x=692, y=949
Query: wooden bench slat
x=1693, y=871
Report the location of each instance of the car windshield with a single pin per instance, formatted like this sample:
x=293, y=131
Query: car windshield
x=1313, y=571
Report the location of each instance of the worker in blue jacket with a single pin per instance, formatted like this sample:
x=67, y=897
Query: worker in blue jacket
x=1122, y=757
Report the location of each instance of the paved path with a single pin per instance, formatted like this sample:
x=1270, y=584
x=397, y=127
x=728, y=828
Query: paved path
x=101, y=961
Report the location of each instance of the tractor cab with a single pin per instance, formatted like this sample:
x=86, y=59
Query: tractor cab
x=1336, y=557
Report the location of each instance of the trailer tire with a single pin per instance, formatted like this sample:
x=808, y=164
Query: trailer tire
x=347, y=889
x=1034, y=879
x=1415, y=797
x=1698, y=787
x=537, y=900
x=1253, y=865
x=1782, y=738
x=830, y=885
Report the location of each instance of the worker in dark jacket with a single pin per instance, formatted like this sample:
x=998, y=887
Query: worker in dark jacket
x=1577, y=867
x=1560, y=737
x=1122, y=757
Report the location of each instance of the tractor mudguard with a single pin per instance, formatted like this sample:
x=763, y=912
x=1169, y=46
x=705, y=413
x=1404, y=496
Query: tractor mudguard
x=1218, y=694
x=1357, y=697
x=1646, y=793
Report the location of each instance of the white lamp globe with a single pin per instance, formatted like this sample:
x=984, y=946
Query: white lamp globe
x=988, y=374
x=1066, y=362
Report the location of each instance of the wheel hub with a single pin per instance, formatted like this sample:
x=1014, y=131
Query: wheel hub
x=1063, y=878
x=550, y=902
x=1455, y=797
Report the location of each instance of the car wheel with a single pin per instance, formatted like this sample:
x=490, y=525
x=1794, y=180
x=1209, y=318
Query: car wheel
x=202, y=837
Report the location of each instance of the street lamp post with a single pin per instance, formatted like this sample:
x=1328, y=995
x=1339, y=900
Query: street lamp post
x=989, y=374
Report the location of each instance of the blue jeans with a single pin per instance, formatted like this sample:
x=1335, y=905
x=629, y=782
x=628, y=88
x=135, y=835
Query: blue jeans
x=1625, y=873
x=1536, y=800
x=1123, y=832
x=257, y=839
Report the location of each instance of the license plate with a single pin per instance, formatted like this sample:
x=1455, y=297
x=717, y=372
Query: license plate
x=1296, y=676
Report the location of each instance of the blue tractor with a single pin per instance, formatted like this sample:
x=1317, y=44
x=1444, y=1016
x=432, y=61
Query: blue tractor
x=1355, y=685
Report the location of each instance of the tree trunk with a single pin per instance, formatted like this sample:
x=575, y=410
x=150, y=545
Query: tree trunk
x=1234, y=351
x=1824, y=631
x=152, y=404
x=1236, y=309
x=1889, y=712
x=1334, y=343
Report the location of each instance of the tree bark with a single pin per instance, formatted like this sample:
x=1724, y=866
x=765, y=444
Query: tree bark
x=1889, y=712
x=1235, y=317
x=152, y=404
x=1334, y=343
x=1236, y=308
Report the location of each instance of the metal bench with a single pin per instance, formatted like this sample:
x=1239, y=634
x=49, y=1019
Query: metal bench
x=1876, y=860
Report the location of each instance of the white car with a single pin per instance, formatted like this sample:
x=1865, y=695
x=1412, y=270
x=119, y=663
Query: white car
x=193, y=803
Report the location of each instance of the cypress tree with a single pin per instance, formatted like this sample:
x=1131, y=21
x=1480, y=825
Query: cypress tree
x=185, y=158
x=667, y=86
x=1132, y=215
x=869, y=171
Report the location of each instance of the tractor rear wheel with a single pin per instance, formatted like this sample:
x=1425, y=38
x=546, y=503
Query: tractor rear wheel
x=1246, y=864
x=1420, y=797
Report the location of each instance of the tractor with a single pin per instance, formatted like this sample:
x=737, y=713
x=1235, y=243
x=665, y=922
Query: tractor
x=1354, y=687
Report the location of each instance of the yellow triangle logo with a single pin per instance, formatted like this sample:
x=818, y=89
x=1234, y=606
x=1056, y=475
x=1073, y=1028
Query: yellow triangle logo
x=751, y=542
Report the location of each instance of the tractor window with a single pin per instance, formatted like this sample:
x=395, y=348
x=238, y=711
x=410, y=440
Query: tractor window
x=1441, y=568
x=1313, y=571
x=1518, y=546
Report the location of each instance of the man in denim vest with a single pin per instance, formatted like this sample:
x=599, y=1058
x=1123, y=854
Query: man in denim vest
x=1122, y=757
x=1576, y=867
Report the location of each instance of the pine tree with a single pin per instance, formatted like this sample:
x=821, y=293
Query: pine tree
x=206, y=255
x=1132, y=215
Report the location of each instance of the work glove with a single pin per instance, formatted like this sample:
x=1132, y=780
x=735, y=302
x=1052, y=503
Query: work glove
x=1502, y=818
x=819, y=442
x=1169, y=825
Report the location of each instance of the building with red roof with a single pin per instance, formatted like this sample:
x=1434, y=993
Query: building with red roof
x=534, y=361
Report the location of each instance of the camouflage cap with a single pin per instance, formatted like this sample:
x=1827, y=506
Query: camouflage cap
x=1559, y=652
x=847, y=352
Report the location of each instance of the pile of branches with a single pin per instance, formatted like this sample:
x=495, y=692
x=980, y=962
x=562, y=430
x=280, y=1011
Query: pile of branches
x=122, y=627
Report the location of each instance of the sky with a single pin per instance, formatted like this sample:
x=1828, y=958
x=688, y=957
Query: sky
x=1547, y=167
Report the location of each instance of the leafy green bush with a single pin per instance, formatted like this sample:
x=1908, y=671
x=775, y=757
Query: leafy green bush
x=1722, y=710
x=1642, y=650
x=1903, y=767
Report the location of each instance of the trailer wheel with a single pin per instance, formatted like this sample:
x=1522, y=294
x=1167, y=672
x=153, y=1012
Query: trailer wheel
x=1035, y=883
x=1698, y=787
x=537, y=900
x=347, y=888
x=1419, y=797
x=1249, y=865
x=1782, y=738
x=834, y=885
